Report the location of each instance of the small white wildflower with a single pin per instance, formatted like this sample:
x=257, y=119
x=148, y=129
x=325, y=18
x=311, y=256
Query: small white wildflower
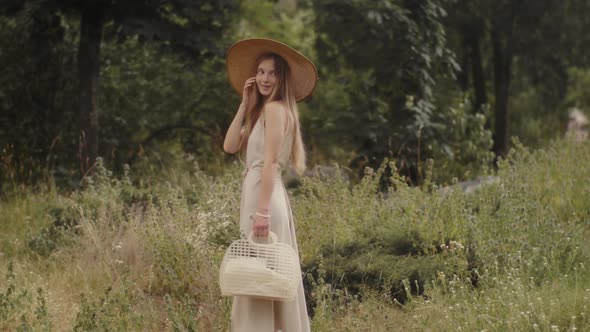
x=457, y=245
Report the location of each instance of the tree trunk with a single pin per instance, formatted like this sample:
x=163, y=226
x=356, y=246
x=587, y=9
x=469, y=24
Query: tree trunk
x=471, y=63
x=91, y=26
x=479, y=83
x=463, y=76
x=502, y=50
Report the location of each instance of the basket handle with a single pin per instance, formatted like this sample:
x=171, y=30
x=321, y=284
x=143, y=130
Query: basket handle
x=273, y=238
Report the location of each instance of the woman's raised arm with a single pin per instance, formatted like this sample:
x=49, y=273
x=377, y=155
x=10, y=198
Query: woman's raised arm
x=231, y=144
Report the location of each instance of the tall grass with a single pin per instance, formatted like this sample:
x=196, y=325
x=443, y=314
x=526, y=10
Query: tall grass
x=134, y=253
x=511, y=257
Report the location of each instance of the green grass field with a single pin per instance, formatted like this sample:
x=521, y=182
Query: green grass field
x=143, y=254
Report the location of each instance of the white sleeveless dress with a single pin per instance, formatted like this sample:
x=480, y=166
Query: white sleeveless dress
x=256, y=315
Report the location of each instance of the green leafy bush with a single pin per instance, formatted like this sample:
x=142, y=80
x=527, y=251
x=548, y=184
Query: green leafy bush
x=385, y=261
x=465, y=152
x=16, y=307
x=529, y=225
x=579, y=83
x=110, y=312
x=59, y=233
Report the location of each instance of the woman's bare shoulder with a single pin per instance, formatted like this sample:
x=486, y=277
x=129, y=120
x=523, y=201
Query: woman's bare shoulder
x=274, y=106
x=274, y=112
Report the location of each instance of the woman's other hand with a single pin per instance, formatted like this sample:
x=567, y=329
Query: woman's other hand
x=260, y=227
x=248, y=86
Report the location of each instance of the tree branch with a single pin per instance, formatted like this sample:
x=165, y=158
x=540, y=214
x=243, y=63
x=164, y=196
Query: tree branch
x=164, y=130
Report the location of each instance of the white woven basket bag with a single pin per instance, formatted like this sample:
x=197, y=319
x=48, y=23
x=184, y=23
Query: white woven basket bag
x=269, y=271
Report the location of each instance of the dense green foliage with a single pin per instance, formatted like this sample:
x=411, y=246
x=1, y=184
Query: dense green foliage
x=38, y=95
x=412, y=80
x=384, y=110
x=159, y=66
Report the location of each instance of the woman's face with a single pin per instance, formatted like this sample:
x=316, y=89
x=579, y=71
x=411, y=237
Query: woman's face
x=266, y=77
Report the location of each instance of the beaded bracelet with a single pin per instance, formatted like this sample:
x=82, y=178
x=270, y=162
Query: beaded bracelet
x=263, y=215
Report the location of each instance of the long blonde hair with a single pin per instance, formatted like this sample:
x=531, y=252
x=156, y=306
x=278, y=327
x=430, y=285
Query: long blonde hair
x=285, y=93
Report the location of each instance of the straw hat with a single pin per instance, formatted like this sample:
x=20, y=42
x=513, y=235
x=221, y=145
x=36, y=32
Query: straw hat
x=241, y=64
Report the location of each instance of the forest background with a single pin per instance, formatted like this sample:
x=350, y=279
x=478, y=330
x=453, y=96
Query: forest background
x=113, y=114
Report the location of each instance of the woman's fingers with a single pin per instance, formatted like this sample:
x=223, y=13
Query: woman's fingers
x=250, y=81
x=260, y=229
x=247, y=85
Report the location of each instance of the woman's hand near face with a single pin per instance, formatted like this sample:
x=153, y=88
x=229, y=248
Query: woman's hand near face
x=248, y=86
x=231, y=144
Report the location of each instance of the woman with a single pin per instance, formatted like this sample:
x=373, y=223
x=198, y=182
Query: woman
x=272, y=78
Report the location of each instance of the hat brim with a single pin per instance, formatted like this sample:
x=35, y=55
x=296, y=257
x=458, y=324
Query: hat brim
x=241, y=64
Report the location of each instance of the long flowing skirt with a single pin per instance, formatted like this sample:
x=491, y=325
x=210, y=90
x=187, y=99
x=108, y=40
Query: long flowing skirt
x=257, y=315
